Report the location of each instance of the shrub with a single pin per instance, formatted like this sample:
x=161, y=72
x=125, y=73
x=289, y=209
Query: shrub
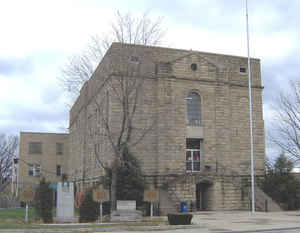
x=89, y=209
x=281, y=185
x=180, y=219
x=43, y=201
x=130, y=181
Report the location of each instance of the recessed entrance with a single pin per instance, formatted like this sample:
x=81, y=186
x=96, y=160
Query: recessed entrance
x=202, y=196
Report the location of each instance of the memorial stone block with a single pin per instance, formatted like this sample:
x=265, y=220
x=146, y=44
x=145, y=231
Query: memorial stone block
x=65, y=202
x=126, y=205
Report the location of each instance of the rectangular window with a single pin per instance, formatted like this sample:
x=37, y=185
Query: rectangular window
x=243, y=70
x=35, y=148
x=134, y=59
x=30, y=171
x=59, y=148
x=34, y=170
x=37, y=170
x=193, y=154
x=58, y=170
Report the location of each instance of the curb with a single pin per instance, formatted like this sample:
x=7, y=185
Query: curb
x=260, y=230
x=136, y=228
x=103, y=229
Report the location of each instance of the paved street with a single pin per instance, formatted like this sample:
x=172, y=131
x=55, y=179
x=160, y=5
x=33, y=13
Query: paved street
x=203, y=222
x=275, y=231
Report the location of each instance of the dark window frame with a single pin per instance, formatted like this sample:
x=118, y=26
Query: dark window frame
x=243, y=70
x=30, y=170
x=193, y=155
x=58, y=170
x=34, y=170
x=194, y=109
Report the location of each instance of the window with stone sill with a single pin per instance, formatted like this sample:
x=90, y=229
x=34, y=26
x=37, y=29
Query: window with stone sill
x=194, y=109
x=243, y=70
x=193, y=155
x=59, y=148
x=35, y=148
x=58, y=170
x=34, y=170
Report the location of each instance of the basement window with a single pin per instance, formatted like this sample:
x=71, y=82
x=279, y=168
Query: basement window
x=194, y=67
x=243, y=70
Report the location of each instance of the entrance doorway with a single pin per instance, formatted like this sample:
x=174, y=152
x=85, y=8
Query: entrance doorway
x=202, y=196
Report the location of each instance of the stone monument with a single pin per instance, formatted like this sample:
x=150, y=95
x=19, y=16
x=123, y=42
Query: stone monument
x=65, y=202
x=126, y=211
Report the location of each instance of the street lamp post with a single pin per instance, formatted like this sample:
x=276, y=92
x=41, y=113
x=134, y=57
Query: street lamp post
x=250, y=112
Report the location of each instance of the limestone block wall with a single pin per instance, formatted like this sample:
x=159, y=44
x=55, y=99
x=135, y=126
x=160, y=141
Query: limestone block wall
x=228, y=194
x=184, y=190
x=169, y=78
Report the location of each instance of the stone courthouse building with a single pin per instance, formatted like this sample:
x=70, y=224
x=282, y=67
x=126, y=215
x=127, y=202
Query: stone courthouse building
x=188, y=116
x=190, y=130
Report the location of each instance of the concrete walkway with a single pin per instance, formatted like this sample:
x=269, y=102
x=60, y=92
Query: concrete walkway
x=238, y=221
x=205, y=222
x=246, y=221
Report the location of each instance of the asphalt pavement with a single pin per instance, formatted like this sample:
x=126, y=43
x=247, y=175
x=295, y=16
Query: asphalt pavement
x=203, y=222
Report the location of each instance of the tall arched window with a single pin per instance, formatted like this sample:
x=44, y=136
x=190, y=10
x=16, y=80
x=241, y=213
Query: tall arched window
x=194, y=108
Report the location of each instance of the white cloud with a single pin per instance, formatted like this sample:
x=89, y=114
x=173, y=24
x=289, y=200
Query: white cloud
x=55, y=25
x=47, y=32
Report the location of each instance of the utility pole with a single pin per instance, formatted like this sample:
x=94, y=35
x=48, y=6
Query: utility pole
x=12, y=175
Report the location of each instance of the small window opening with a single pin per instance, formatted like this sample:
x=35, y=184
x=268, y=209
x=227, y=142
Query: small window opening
x=243, y=70
x=134, y=59
x=194, y=66
x=58, y=170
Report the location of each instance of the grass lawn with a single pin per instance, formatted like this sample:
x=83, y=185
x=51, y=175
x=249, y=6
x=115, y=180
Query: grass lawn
x=15, y=219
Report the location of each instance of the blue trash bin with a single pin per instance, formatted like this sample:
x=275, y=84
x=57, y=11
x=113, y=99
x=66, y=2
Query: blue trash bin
x=183, y=206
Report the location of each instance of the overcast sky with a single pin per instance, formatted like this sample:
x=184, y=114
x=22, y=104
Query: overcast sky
x=38, y=36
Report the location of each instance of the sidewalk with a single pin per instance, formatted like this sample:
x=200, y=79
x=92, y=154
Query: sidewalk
x=203, y=222
x=246, y=221
x=236, y=222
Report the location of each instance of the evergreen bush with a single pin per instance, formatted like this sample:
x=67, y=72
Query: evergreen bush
x=130, y=181
x=89, y=209
x=43, y=201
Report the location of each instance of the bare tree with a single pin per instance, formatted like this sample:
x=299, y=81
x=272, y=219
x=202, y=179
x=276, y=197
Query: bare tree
x=286, y=129
x=123, y=82
x=126, y=28
x=8, y=147
x=125, y=85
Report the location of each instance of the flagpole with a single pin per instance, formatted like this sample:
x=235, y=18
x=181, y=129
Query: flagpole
x=250, y=112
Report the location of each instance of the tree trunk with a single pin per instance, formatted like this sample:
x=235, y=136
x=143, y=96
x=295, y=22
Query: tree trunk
x=113, y=187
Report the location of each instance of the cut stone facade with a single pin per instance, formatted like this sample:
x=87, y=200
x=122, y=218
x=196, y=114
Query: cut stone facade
x=169, y=75
x=191, y=116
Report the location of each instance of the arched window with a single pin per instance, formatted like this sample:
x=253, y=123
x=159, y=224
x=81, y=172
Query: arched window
x=194, y=108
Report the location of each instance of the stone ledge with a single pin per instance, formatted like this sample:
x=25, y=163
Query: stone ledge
x=65, y=220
